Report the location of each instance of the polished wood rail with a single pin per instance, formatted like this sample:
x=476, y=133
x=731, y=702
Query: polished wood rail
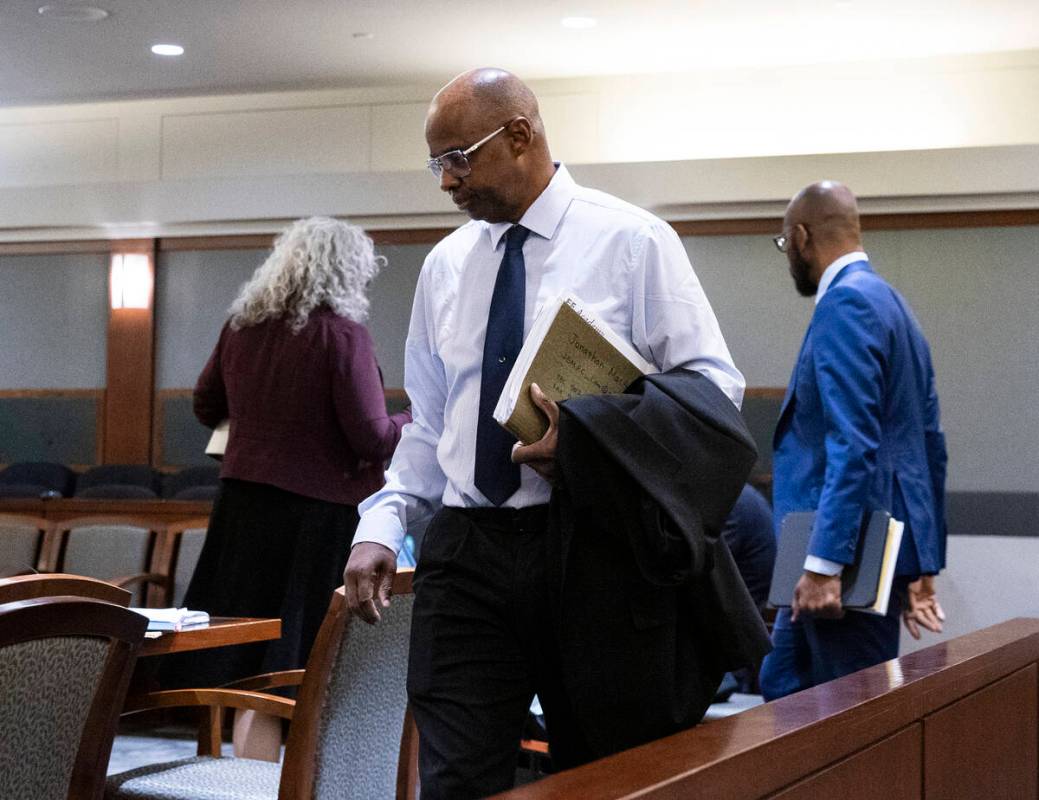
x=956, y=721
x=72, y=507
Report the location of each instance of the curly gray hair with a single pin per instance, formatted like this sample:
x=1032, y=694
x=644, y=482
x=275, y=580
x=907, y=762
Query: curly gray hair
x=316, y=261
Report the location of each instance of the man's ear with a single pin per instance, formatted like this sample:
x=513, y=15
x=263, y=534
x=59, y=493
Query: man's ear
x=521, y=135
x=803, y=240
x=800, y=236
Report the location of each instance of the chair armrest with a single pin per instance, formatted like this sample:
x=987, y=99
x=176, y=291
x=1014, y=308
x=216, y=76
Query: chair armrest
x=269, y=680
x=209, y=698
x=141, y=577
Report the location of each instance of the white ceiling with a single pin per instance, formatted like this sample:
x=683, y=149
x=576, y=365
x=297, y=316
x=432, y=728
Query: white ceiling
x=256, y=45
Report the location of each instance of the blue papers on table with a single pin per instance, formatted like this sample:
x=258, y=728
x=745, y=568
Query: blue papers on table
x=173, y=619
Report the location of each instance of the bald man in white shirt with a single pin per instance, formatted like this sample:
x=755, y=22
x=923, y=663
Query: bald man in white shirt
x=482, y=644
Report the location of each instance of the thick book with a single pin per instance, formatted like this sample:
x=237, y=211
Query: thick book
x=865, y=585
x=218, y=441
x=570, y=351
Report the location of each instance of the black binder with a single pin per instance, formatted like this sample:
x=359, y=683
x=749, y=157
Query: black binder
x=865, y=585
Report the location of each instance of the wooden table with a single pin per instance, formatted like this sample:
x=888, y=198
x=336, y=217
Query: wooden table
x=219, y=632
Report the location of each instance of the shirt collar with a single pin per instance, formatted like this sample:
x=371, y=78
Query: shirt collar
x=830, y=273
x=546, y=212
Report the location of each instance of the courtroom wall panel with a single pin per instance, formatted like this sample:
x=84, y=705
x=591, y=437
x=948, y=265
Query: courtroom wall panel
x=974, y=291
x=391, y=296
x=57, y=425
x=196, y=287
x=193, y=290
x=53, y=321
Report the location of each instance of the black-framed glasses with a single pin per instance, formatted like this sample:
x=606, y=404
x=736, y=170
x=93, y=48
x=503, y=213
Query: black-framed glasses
x=782, y=242
x=456, y=162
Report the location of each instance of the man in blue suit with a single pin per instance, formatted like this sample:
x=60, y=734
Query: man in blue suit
x=858, y=431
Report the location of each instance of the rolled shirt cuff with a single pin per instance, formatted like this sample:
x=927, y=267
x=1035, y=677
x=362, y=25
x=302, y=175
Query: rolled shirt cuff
x=382, y=526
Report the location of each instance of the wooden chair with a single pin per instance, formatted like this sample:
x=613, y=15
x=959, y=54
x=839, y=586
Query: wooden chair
x=65, y=664
x=350, y=735
x=21, y=543
x=117, y=549
x=29, y=587
x=176, y=554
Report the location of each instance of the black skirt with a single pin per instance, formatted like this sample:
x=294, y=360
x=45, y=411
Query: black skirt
x=268, y=553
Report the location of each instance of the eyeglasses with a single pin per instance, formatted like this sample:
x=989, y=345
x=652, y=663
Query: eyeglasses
x=456, y=162
x=782, y=242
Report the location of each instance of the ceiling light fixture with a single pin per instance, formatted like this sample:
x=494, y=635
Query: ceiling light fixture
x=72, y=13
x=363, y=35
x=167, y=49
x=578, y=23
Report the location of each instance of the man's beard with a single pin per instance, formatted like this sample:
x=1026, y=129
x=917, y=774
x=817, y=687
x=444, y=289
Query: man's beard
x=801, y=272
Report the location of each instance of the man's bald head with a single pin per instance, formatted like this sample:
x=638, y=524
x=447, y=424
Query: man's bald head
x=510, y=170
x=488, y=94
x=821, y=225
x=828, y=206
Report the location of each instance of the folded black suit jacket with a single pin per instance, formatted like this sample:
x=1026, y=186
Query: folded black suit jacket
x=651, y=607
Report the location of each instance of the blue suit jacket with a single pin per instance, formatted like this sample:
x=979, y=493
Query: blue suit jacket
x=859, y=427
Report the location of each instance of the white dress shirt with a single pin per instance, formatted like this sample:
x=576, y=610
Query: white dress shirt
x=824, y=566
x=625, y=264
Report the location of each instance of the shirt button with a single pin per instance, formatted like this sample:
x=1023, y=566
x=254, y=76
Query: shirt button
x=501, y=360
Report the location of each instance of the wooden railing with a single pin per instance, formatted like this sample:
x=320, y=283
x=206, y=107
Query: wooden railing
x=71, y=507
x=167, y=520
x=955, y=721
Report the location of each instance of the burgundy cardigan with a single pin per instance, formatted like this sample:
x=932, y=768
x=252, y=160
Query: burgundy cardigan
x=307, y=410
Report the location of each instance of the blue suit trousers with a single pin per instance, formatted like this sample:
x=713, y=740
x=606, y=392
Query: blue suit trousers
x=812, y=651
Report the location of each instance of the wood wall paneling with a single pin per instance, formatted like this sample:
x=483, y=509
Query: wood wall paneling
x=708, y=227
x=771, y=226
x=130, y=373
x=260, y=241
x=765, y=226
x=54, y=248
x=984, y=746
x=893, y=763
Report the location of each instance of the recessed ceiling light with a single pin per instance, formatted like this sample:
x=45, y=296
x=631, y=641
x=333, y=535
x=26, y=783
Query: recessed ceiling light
x=167, y=49
x=72, y=13
x=578, y=23
x=363, y=35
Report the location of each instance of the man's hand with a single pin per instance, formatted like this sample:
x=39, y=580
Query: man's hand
x=541, y=455
x=817, y=596
x=369, y=580
x=923, y=608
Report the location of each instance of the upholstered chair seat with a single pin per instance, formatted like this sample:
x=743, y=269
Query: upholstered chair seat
x=199, y=778
x=350, y=737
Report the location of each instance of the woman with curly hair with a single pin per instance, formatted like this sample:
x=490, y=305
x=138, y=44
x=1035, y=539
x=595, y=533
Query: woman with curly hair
x=294, y=371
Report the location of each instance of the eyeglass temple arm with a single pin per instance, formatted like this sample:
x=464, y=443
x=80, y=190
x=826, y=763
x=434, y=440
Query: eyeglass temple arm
x=483, y=141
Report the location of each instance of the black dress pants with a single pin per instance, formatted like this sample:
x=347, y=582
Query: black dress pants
x=483, y=642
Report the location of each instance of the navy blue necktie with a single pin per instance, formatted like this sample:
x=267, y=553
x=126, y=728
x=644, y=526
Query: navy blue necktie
x=496, y=476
